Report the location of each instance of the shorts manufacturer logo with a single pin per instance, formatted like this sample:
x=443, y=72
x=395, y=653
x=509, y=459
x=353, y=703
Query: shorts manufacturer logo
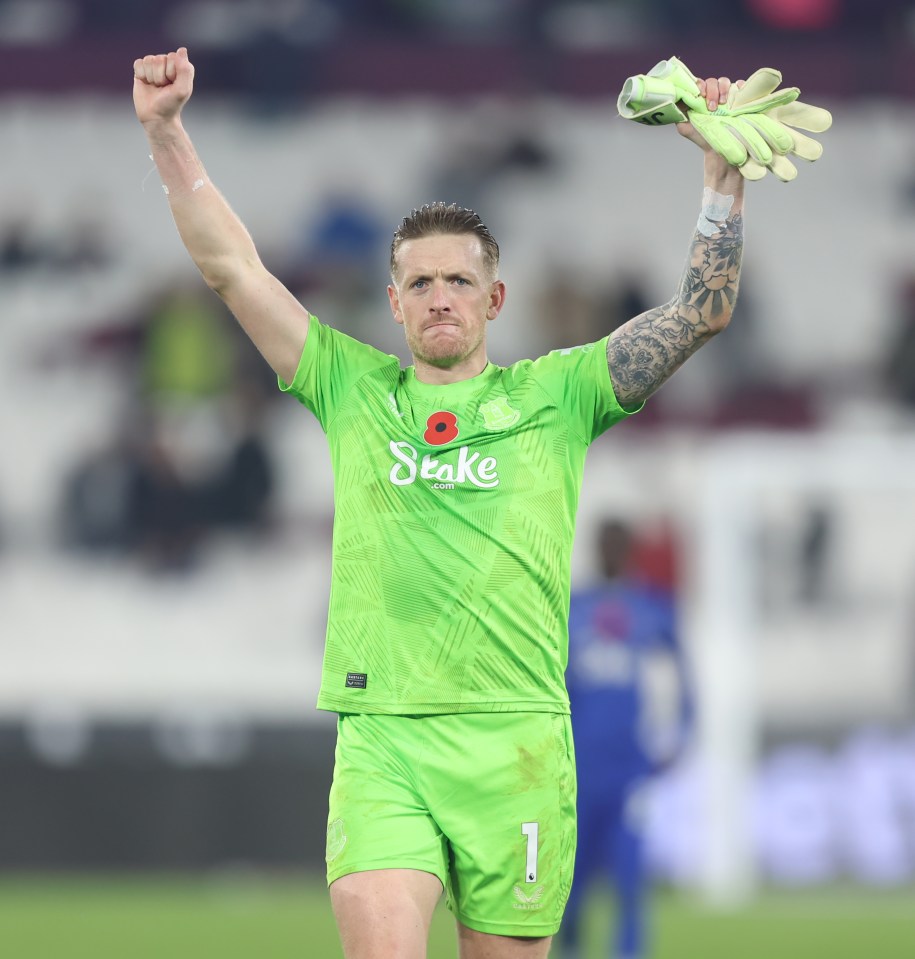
x=526, y=901
x=356, y=680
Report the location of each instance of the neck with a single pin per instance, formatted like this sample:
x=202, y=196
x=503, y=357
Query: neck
x=438, y=375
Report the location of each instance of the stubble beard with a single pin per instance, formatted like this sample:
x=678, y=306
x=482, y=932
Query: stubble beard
x=444, y=352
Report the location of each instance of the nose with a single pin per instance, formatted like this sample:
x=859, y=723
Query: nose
x=439, y=302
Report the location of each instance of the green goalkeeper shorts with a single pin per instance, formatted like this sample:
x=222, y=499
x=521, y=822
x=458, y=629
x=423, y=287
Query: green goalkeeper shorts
x=484, y=801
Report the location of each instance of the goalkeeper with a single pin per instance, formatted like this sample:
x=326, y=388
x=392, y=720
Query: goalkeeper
x=456, y=485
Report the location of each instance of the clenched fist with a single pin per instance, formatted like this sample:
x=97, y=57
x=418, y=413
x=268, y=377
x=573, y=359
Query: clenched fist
x=162, y=84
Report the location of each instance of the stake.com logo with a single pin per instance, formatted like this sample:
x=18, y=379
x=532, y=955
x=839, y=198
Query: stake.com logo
x=470, y=468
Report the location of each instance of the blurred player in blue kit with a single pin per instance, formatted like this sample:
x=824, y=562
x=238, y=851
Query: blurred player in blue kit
x=622, y=640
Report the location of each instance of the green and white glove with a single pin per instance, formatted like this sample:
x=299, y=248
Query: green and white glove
x=753, y=142
x=752, y=130
x=653, y=97
x=760, y=94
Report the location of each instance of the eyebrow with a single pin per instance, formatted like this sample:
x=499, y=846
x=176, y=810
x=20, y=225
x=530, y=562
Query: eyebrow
x=428, y=275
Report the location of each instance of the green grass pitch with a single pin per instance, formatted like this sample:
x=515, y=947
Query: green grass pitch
x=243, y=915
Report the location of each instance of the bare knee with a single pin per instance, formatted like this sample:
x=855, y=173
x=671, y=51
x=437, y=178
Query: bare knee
x=385, y=913
x=483, y=945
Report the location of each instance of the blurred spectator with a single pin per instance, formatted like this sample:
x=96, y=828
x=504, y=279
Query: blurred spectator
x=20, y=247
x=94, y=509
x=345, y=243
x=236, y=495
x=129, y=497
x=85, y=242
x=179, y=347
x=342, y=257
x=188, y=349
x=632, y=707
x=133, y=496
x=82, y=242
x=156, y=493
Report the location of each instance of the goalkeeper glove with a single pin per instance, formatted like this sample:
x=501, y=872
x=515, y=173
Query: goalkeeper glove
x=751, y=130
x=757, y=95
x=753, y=143
x=653, y=97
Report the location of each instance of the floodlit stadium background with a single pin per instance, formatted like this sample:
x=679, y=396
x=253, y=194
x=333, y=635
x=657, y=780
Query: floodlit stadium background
x=165, y=522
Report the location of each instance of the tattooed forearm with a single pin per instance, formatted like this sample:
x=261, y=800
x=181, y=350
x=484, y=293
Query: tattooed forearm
x=643, y=353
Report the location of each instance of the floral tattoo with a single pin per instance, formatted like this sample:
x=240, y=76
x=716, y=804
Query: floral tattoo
x=644, y=353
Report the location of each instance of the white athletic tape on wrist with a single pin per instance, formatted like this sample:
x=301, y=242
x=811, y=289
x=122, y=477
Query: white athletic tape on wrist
x=715, y=210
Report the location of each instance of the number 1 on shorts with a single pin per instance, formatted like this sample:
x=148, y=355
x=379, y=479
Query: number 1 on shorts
x=531, y=830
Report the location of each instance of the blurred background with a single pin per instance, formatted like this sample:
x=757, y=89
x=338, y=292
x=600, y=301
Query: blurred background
x=165, y=514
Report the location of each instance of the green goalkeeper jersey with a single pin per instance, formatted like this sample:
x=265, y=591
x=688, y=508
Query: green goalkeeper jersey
x=454, y=520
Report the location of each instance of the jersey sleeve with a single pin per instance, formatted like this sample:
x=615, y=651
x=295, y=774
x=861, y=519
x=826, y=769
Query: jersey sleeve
x=330, y=365
x=578, y=380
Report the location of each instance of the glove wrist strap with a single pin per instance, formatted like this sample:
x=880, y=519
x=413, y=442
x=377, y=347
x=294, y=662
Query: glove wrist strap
x=649, y=100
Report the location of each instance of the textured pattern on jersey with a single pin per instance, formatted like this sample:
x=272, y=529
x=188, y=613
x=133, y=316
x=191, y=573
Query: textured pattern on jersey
x=450, y=583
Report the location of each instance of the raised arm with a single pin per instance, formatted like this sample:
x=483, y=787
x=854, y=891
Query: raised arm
x=645, y=352
x=215, y=238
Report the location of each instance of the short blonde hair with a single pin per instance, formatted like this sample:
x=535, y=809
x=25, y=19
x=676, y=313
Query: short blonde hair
x=439, y=218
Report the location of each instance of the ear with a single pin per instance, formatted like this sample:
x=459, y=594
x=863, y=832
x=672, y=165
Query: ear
x=496, y=300
x=394, y=300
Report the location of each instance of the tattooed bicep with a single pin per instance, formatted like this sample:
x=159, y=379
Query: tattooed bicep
x=647, y=350
x=643, y=353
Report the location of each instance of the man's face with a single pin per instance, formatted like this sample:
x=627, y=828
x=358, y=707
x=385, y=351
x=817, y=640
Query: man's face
x=444, y=296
